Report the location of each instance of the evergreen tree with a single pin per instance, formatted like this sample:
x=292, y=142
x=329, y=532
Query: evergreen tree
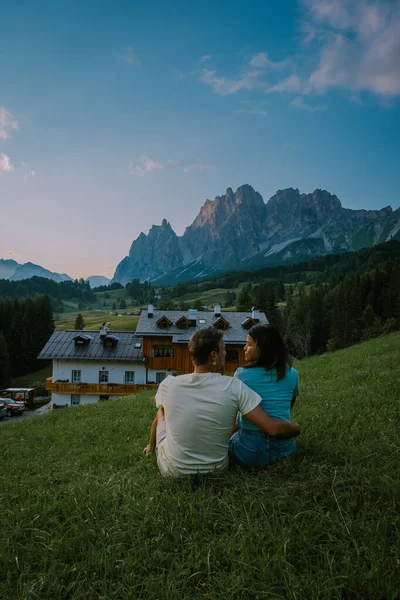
x=79, y=322
x=273, y=312
x=28, y=342
x=5, y=367
x=14, y=340
x=230, y=298
x=244, y=301
x=368, y=316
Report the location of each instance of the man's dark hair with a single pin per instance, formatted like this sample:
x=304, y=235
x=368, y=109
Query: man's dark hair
x=202, y=343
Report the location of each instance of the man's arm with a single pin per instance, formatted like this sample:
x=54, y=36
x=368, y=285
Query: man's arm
x=275, y=427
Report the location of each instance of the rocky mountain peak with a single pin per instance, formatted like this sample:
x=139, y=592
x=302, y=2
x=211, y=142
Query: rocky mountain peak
x=239, y=229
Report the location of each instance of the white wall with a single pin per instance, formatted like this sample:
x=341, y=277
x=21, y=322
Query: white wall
x=62, y=369
x=65, y=399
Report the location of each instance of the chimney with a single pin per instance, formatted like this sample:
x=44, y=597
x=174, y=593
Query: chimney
x=255, y=314
x=192, y=317
x=150, y=310
x=217, y=310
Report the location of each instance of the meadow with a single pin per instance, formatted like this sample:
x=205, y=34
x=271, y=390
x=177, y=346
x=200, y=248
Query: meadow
x=86, y=516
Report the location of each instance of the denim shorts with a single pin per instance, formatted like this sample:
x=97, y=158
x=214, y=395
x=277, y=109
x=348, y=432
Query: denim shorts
x=256, y=450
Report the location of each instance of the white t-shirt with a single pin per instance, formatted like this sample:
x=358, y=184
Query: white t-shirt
x=200, y=410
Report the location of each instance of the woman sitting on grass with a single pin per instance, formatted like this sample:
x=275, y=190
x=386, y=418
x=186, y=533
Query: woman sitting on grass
x=196, y=412
x=268, y=372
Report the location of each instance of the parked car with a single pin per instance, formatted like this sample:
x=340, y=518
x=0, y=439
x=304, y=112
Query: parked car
x=13, y=408
x=3, y=410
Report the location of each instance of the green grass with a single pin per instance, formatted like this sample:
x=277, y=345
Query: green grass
x=209, y=297
x=84, y=516
x=27, y=380
x=95, y=318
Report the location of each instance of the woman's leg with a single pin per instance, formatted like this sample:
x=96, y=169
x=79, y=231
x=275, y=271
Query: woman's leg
x=250, y=451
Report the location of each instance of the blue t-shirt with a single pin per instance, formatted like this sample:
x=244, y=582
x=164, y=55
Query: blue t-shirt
x=276, y=395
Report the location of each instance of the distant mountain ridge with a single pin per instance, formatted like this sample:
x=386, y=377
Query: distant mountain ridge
x=10, y=269
x=97, y=281
x=238, y=230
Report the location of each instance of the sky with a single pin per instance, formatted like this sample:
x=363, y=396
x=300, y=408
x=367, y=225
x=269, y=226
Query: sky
x=114, y=115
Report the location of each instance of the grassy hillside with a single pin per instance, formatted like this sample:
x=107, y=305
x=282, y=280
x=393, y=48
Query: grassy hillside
x=85, y=516
x=32, y=378
x=95, y=318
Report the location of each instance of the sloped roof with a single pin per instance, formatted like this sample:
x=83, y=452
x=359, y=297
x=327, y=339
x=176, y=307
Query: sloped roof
x=61, y=345
x=235, y=334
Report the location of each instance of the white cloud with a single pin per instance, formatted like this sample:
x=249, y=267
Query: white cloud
x=359, y=46
x=30, y=174
x=129, y=57
x=205, y=58
x=6, y=165
x=252, y=111
x=299, y=103
x=352, y=45
x=146, y=165
x=292, y=83
x=196, y=166
x=261, y=61
x=251, y=76
x=7, y=123
x=224, y=86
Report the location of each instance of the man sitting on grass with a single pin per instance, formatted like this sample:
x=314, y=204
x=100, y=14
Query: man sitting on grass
x=196, y=412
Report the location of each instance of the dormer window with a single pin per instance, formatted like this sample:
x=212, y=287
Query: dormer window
x=82, y=340
x=248, y=323
x=164, y=323
x=110, y=341
x=183, y=323
x=221, y=323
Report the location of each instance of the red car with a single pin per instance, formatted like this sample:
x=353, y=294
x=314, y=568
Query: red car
x=13, y=408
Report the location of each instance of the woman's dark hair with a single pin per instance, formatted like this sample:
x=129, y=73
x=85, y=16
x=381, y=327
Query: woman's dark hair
x=203, y=342
x=273, y=353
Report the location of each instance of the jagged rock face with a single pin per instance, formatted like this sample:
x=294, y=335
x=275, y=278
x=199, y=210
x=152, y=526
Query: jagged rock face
x=229, y=228
x=237, y=230
x=294, y=215
x=151, y=255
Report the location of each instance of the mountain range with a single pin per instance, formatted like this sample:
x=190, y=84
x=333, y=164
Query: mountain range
x=10, y=269
x=238, y=230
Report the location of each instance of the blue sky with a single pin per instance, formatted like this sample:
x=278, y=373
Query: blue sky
x=116, y=115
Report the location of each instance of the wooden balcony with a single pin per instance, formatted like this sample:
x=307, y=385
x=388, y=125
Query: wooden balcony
x=102, y=389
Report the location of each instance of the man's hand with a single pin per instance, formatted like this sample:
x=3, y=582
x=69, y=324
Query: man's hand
x=276, y=427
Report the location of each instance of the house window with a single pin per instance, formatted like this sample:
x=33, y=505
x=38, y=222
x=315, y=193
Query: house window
x=163, y=352
x=160, y=377
x=231, y=356
x=103, y=376
x=75, y=399
x=76, y=376
x=129, y=376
